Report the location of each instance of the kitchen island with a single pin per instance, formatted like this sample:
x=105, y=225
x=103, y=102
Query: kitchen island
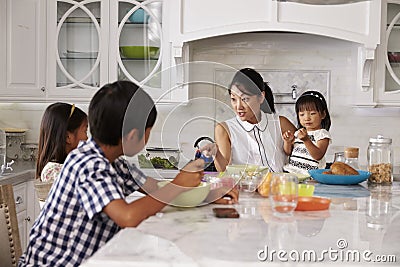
x=358, y=229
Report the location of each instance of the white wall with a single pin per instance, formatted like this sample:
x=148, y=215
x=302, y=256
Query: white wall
x=265, y=51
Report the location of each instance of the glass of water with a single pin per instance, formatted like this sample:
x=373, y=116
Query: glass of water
x=283, y=194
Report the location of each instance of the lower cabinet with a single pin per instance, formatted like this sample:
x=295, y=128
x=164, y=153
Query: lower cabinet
x=27, y=207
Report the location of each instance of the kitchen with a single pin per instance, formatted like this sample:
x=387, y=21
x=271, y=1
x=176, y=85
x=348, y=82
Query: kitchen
x=351, y=71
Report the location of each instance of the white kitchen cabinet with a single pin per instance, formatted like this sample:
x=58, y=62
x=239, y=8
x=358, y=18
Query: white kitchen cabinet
x=194, y=20
x=388, y=60
x=85, y=42
x=22, y=49
x=355, y=21
x=27, y=207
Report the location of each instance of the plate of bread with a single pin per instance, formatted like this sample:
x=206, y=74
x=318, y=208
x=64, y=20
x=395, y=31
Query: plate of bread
x=339, y=174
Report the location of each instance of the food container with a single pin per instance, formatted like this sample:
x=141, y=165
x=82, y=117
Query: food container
x=351, y=157
x=380, y=161
x=159, y=158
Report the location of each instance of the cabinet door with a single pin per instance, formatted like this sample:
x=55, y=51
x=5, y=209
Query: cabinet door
x=78, y=52
x=390, y=53
x=20, y=196
x=23, y=229
x=23, y=40
x=135, y=43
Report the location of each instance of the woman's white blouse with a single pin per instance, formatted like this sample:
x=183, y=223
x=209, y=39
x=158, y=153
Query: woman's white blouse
x=259, y=144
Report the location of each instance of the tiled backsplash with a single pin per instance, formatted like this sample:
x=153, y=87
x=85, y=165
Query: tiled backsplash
x=310, y=62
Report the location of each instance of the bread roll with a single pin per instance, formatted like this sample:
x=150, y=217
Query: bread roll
x=340, y=168
x=263, y=188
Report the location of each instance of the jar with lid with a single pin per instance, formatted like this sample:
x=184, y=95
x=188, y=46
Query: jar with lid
x=351, y=157
x=380, y=162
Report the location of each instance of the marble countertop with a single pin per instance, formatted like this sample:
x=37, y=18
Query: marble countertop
x=22, y=171
x=366, y=225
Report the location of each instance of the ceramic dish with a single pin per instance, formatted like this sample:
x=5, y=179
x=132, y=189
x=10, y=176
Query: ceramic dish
x=338, y=179
x=139, y=52
x=312, y=203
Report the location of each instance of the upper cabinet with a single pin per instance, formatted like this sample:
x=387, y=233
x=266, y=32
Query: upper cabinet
x=356, y=21
x=22, y=49
x=92, y=43
x=388, y=61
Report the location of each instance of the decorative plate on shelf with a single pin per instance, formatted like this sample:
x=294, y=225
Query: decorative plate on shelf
x=319, y=176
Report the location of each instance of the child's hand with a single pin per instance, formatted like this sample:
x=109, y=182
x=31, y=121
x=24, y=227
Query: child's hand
x=288, y=136
x=209, y=150
x=231, y=197
x=191, y=174
x=302, y=134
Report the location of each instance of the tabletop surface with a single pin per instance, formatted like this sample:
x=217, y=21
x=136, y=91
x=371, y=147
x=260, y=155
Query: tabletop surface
x=361, y=226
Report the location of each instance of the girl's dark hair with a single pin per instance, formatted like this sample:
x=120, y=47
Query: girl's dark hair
x=58, y=118
x=117, y=108
x=313, y=100
x=250, y=82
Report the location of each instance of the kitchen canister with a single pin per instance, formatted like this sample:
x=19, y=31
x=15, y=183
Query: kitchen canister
x=351, y=157
x=380, y=161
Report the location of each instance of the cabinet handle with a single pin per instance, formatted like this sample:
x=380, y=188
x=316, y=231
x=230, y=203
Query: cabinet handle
x=18, y=200
x=43, y=89
x=28, y=219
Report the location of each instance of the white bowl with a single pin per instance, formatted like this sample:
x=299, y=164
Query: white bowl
x=190, y=198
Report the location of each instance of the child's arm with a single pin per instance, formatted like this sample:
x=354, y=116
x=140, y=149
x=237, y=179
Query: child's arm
x=288, y=140
x=132, y=214
x=317, y=151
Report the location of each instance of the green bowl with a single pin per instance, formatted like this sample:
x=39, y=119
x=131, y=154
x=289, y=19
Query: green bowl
x=306, y=190
x=139, y=52
x=190, y=198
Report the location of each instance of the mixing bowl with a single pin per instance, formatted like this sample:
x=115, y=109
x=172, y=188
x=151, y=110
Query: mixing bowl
x=190, y=198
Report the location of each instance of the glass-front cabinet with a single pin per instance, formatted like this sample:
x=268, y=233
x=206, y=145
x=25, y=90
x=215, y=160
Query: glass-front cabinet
x=100, y=41
x=389, y=79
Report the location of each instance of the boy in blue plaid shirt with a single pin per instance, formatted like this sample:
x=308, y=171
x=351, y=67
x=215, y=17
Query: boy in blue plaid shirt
x=86, y=207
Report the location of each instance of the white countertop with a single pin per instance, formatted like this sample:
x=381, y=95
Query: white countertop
x=194, y=237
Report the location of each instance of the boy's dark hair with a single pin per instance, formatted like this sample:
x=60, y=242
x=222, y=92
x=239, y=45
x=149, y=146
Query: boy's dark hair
x=58, y=118
x=117, y=108
x=313, y=100
x=250, y=82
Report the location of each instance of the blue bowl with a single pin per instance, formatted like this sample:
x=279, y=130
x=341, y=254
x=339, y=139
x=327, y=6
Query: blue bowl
x=139, y=16
x=338, y=179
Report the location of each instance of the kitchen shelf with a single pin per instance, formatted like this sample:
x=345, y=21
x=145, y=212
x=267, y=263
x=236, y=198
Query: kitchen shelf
x=78, y=58
x=139, y=59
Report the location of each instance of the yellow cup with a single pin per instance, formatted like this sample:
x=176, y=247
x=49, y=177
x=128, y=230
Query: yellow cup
x=306, y=190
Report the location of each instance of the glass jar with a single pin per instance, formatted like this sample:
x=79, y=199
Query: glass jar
x=380, y=162
x=351, y=157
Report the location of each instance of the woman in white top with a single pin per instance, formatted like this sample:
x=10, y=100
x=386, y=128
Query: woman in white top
x=254, y=136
